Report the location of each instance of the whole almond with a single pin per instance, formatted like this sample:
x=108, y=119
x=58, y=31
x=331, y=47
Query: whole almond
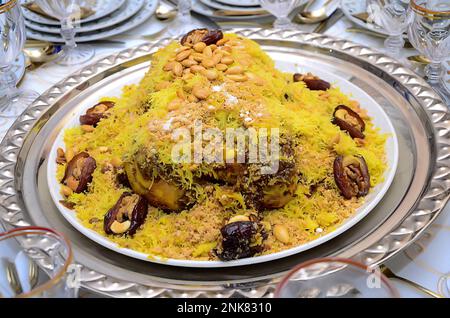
x=208, y=62
x=182, y=48
x=189, y=63
x=207, y=51
x=197, y=68
x=234, y=70
x=168, y=66
x=199, y=47
x=227, y=60
x=183, y=55
x=217, y=57
x=221, y=67
x=238, y=78
x=200, y=92
x=177, y=69
x=198, y=57
x=210, y=74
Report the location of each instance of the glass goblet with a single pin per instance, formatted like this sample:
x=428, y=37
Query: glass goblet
x=281, y=10
x=36, y=262
x=429, y=33
x=68, y=12
x=183, y=22
x=392, y=15
x=13, y=101
x=335, y=278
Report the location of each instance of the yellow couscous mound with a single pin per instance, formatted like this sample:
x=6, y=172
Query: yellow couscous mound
x=146, y=115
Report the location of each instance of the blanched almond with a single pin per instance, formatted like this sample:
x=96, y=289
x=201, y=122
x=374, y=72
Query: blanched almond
x=177, y=69
x=281, y=233
x=208, y=62
x=199, y=47
x=197, y=68
x=189, y=63
x=227, y=60
x=238, y=78
x=221, y=67
x=234, y=70
x=200, y=92
x=210, y=74
x=207, y=51
x=183, y=55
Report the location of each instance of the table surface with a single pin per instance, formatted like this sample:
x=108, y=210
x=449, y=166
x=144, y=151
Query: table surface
x=426, y=262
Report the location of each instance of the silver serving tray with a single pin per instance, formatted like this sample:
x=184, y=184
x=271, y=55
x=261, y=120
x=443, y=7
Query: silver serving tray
x=419, y=191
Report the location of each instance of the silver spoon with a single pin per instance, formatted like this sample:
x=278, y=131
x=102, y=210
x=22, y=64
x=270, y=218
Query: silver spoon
x=316, y=15
x=164, y=12
x=42, y=52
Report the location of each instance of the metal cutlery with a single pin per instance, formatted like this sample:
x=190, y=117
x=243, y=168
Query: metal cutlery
x=316, y=15
x=389, y=274
x=328, y=23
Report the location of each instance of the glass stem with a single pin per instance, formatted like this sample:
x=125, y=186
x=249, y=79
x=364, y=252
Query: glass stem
x=282, y=23
x=433, y=72
x=184, y=10
x=394, y=44
x=68, y=33
x=7, y=85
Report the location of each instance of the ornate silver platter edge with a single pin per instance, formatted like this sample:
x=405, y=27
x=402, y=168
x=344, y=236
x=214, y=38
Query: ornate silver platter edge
x=428, y=208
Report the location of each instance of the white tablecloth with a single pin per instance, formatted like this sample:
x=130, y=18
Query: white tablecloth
x=426, y=262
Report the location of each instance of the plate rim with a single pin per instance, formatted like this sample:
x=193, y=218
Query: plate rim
x=56, y=29
x=197, y=6
x=380, y=190
x=222, y=6
x=139, y=18
x=28, y=14
x=401, y=234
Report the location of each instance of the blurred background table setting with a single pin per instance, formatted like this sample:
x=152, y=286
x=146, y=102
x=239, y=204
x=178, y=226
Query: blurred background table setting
x=44, y=41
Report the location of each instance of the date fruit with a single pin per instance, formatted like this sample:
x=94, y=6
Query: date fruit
x=313, y=82
x=202, y=35
x=351, y=176
x=127, y=215
x=349, y=120
x=96, y=113
x=79, y=172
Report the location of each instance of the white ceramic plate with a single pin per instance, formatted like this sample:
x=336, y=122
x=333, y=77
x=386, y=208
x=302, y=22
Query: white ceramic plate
x=202, y=9
x=102, y=8
x=114, y=87
x=239, y=3
x=351, y=7
x=130, y=8
x=221, y=6
x=143, y=15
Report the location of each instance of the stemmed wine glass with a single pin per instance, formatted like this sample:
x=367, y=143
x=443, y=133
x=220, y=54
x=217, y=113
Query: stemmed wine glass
x=37, y=262
x=335, y=278
x=69, y=13
x=392, y=16
x=429, y=33
x=281, y=10
x=13, y=101
x=183, y=22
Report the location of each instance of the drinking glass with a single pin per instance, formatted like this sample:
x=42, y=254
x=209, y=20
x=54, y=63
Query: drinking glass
x=429, y=33
x=392, y=15
x=68, y=12
x=183, y=22
x=281, y=10
x=335, y=278
x=13, y=101
x=36, y=262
